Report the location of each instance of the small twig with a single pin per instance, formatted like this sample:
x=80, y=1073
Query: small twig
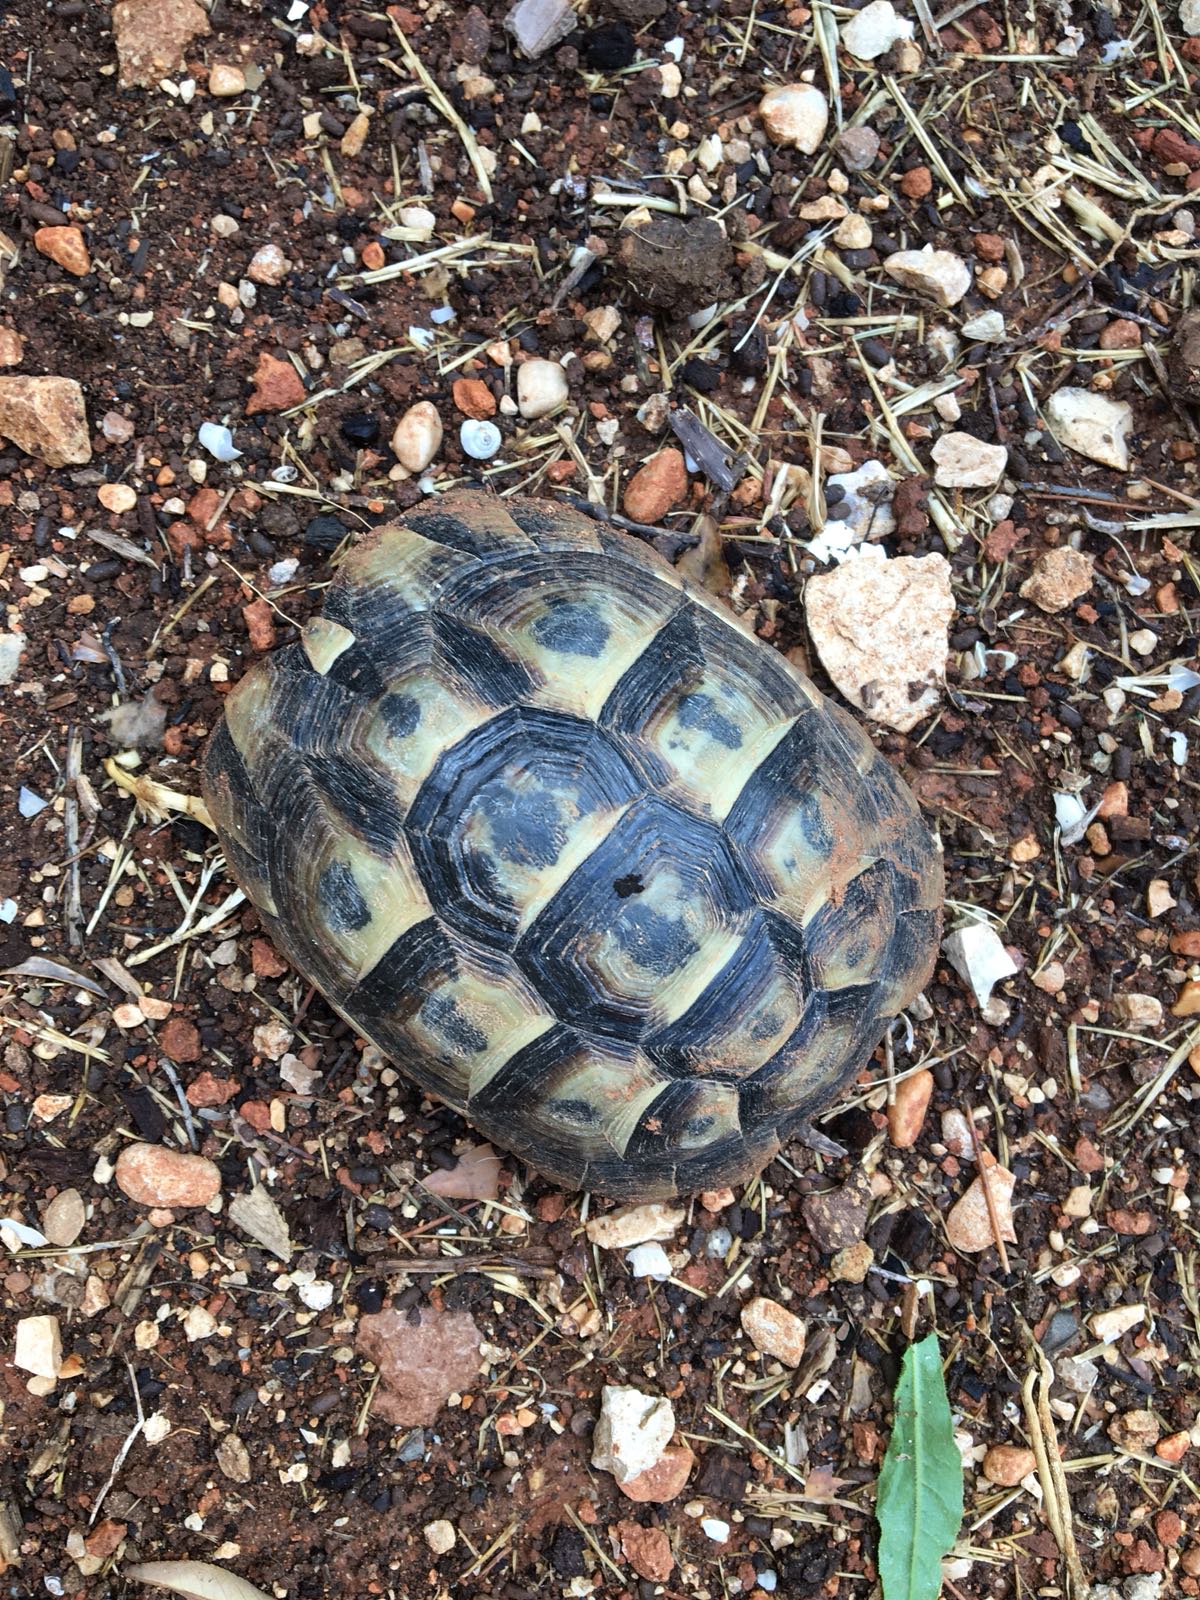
x=419, y=69
x=126, y=1446
x=74, y=900
x=1051, y=1474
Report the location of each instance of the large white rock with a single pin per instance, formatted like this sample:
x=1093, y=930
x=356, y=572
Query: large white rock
x=874, y=30
x=540, y=24
x=962, y=461
x=541, y=388
x=1092, y=425
x=987, y=327
x=939, y=274
x=882, y=630
x=39, y=1346
x=795, y=114
x=632, y=1433
x=634, y=1225
x=1189, y=17
x=976, y=953
x=417, y=437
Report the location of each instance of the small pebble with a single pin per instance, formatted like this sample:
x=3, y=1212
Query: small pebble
x=440, y=1536
x=541, y=388
x=417, y=437
x=795, y=114
x=226, y=82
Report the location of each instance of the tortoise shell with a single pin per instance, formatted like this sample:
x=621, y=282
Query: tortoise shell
x=581, y=856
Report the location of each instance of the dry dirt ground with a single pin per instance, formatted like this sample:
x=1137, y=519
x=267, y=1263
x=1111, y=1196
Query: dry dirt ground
x=212, y=1401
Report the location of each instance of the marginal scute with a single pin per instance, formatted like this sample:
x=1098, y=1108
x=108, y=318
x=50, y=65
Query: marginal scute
x=581, y=856
x=324, y=641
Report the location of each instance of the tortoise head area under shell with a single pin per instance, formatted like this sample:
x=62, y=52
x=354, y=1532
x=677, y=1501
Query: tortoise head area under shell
x=582, y=857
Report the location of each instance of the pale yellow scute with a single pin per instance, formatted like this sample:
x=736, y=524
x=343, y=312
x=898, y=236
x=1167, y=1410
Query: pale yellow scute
x=499, y=1010
x=393, y=893
x=621, y=1088
x=441, y=717
x=324, y=641
x=682, y=989
x=248, y=714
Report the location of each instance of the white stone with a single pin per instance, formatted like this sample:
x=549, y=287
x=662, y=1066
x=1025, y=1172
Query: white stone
x=964, y=462
x=795, y=114
x=881, y=627
x=1108, y=1326
x=940, y=274
x=541, y=388
x=864, y=511
x=218, y=441
x=947, y=406
x=976, y=953
x=874, y=30
x=1189, y=17
x=64, y=1218
x=199, y=1324
x=1092, y=425
x=480, y=440
x=986, y=328
x=1078, y=1203
x=540, y=24
x=440, y=1536
x=649, y=1261
x=39, y=1347
x=226, y=81
x=1138, y=1010
x=853, y=233
x=11, y=646
x=634, y=1225
x=417, y=437
x=268, y=265
x=715, y=1528
x=633, y=1431
x=419, y=219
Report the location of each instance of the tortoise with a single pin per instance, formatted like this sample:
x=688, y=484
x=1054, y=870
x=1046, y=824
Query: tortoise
x=581, y=856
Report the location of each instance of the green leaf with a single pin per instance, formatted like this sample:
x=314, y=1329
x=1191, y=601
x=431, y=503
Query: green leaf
x=920, y=1500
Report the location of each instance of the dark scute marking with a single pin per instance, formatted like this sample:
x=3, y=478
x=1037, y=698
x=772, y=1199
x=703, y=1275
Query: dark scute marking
x=470, y=779
x=440, y=1014
x=528, y=1077
x=681, y=1110
x=339, y=604
x=527, y=828
x=401, y=714
x=741, y=990
x=699, y=711
x=419, y=960
x=497, y=679
x=361, y=797
x=557, y=959
x=672, y=660
x=765, y=1025
x=345, y=909
x=654, y=942
x=572, y=629
x=355, y=670
x=631, y=883
x=582, y=1112
x=442, y=528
